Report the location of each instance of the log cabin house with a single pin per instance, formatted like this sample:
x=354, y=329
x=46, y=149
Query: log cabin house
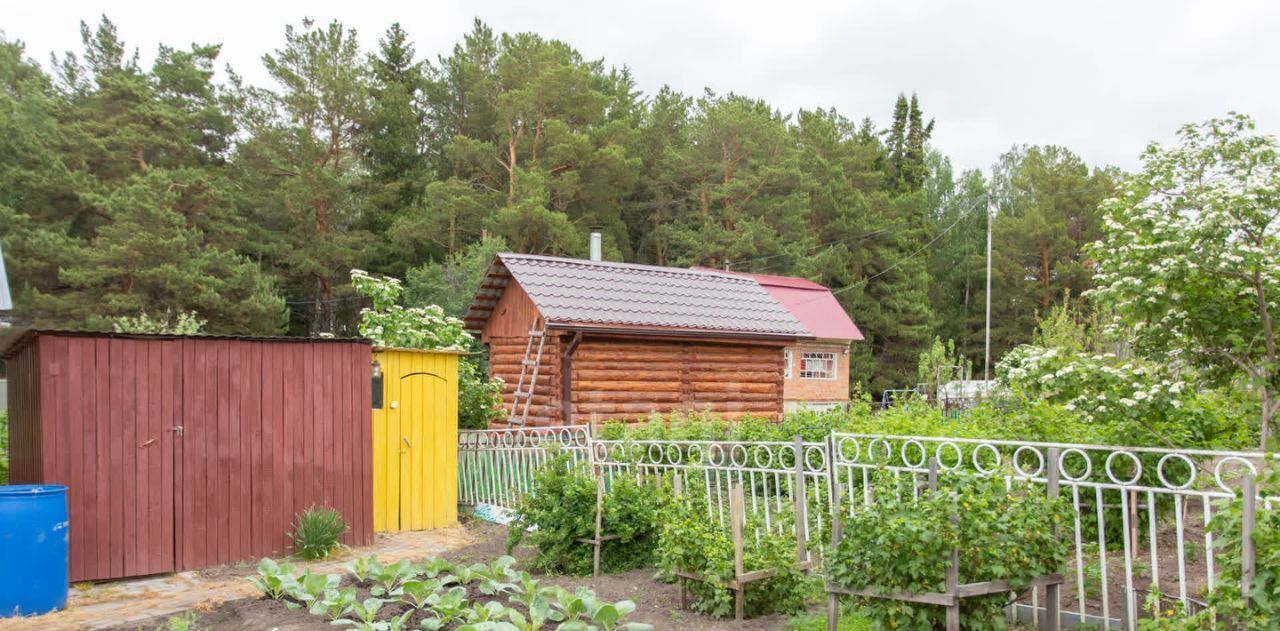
x=631, y=340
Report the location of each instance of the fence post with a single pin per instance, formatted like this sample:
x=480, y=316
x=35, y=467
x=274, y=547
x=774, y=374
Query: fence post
x=837, y=531
x=953, y=568
x=736, y=518
x=1053, y=592
x=1248, y=519
x=677, y=488
x=801, y=503
x=595, y=557
x=832, y=478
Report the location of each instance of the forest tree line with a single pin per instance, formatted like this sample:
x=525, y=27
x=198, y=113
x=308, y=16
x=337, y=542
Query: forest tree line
x=178, y=187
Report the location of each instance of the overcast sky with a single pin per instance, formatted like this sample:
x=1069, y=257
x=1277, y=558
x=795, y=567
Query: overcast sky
x=1102, y=78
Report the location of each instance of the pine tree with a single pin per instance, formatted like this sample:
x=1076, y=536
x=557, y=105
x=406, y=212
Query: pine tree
x=132, y=213
x=148, y=260
x=393, y=141
x=745, y=197
x=1047, y=210
x=300, y=170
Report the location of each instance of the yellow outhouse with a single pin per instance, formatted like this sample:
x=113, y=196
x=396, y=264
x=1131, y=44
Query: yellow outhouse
x=415, y=439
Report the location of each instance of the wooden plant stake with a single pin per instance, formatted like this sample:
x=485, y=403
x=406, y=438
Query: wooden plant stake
x=737, y=518
x=1248, y=520
x=599, y=538
x=837, y=531
x=1053, y=591
x=953, y=566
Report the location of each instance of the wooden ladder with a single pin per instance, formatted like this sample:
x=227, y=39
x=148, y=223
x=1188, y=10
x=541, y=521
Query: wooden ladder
x=528, y=368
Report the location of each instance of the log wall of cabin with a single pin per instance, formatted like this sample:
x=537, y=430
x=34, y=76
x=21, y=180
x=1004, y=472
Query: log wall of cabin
x=507, y=335
x=505, y=354
x=629, y=379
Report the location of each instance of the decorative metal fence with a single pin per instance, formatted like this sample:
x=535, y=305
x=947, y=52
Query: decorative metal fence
x=496, y=466
x=1140, y=512
x=771, y=475
x=1140, y=518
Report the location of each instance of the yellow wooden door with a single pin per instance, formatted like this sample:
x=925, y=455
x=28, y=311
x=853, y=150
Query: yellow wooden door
x=416, y=442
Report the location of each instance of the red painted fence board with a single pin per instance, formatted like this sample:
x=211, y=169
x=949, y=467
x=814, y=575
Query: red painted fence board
x=269, y=427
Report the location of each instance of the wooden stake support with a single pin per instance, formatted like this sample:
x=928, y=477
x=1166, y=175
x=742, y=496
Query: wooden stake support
x=737, y=519
x=1248, y=522
x=600, y=538
x=955, y=591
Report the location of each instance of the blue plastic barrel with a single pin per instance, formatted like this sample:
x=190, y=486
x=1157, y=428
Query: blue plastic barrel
x=33, y=549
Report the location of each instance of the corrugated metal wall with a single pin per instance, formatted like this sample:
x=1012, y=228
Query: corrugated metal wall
x=268, y=428
x=24, y=402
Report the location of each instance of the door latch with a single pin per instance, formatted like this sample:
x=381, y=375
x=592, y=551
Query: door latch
x=176, y=429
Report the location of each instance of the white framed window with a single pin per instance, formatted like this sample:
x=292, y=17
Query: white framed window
x=787, y=359
x=814, y=365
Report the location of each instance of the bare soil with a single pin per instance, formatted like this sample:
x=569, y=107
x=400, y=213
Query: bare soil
x=1194, y=562
x=657, y=603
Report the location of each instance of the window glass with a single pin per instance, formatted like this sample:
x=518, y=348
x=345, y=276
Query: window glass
x=817, y=365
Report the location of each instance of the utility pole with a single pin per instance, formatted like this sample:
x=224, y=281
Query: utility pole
x=991, y=213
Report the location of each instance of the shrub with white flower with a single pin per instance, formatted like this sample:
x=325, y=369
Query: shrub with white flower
x=390, y=324
x=1189, y=260
x=1092, y=384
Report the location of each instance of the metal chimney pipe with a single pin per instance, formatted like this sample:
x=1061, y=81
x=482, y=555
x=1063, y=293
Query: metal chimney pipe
x=596, y=245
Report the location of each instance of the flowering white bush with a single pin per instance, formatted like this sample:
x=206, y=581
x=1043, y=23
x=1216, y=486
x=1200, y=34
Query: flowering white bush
x=1101, y=388
x=1190, y=256
x=394, y=326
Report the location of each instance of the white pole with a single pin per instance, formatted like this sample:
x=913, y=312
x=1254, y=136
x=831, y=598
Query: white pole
x=991, y=212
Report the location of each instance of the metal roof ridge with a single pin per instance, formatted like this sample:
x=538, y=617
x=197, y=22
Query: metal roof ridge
x=679, y=271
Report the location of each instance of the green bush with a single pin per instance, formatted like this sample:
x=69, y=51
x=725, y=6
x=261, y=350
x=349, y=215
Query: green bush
x=318, y=531
x=901, y=544
x=689, y=541
x=1227, y=601
x=479, y=398
x=560, y=508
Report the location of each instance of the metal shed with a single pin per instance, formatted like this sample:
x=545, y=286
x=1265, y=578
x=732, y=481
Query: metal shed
x=183, y=452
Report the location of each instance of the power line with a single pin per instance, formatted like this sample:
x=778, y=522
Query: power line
x=899, y=263
x=829, y=244
x=313, y=301
x=921, y=249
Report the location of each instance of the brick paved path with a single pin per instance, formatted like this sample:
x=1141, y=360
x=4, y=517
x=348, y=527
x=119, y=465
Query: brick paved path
x=120, y=602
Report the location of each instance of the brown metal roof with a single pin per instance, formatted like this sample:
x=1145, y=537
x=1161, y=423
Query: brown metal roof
x=576, y=292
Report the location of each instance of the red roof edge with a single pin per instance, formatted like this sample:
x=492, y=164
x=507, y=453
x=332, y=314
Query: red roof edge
x=811, y=303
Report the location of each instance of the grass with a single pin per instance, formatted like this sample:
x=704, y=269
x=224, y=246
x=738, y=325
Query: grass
x=185, y=621
x=849, y=621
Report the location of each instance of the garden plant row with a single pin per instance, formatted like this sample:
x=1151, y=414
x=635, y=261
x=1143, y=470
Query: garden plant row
x=436, y=594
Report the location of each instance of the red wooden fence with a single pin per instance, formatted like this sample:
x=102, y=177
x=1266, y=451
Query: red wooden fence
x=186, y=452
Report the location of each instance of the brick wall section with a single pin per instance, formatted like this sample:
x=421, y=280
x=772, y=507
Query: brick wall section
x=818, y=390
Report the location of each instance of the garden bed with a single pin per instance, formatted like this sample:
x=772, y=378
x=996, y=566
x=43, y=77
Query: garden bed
x=657, y=604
